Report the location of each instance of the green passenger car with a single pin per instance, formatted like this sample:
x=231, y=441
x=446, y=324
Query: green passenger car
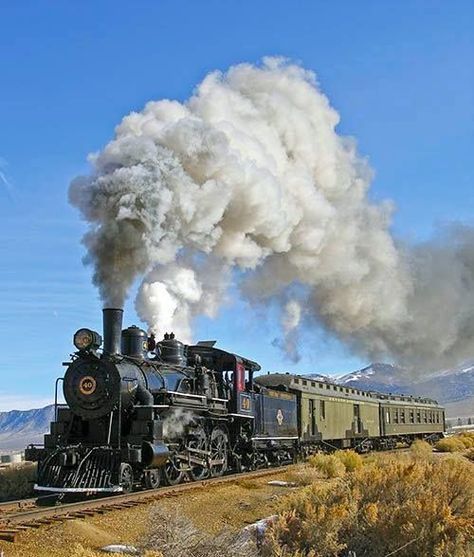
x=337, y=416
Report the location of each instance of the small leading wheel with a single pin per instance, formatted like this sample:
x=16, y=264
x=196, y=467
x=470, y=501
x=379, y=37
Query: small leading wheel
x=126, y=477
x=219, y=452
x=152, y=478
x=172, y=473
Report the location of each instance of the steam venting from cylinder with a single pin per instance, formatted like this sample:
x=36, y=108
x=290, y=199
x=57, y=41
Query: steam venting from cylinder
x=249, y=184
x=112, y=321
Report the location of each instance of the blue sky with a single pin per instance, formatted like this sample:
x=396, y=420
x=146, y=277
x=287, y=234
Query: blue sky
x=399, y=73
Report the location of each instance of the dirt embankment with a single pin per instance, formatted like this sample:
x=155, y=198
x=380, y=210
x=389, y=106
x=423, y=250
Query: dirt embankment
x=229, y=506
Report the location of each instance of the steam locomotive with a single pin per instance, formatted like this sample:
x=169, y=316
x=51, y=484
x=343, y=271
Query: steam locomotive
x=137, y=416
x=141, y=413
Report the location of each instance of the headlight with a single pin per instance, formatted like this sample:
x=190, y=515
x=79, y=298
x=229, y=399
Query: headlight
x=85, y=339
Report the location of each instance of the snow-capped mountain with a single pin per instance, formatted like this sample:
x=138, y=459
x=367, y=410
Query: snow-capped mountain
x=18, y=428
x=453, y=388
x=320, y=377
x=378, y=377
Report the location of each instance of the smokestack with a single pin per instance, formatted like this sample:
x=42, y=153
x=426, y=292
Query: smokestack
x=112, y=318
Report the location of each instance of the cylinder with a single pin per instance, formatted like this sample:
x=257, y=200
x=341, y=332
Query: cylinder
x=154, y=455
x=112, y=319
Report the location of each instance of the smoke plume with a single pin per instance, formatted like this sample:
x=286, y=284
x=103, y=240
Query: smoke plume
x=248, y=181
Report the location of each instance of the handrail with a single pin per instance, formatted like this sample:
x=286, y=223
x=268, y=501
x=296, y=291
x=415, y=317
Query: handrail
x=56, y=397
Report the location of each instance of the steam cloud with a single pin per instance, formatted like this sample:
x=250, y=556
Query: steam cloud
x=249, y=181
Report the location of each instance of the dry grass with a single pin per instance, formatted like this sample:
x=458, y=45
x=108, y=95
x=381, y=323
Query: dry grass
x=174, y=535
x=249, y=484
x=17, y=482
x=417, y=507
x=303, y=475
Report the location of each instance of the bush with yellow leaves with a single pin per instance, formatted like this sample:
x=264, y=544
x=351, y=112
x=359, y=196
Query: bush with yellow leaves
x=329, y=466
x=467, y=439
x=456, y=443
x=421, y=449
x=413, y=507
x=351, y=460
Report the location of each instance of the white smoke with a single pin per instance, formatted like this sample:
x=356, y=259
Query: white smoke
x=290, y=321
x=250, y=175
x=171, y=296
x=176, y=422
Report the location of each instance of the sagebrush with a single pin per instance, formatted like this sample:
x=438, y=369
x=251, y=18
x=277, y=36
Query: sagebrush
x=16, y=482
x=421, y=449
x=456, y=443
x=328, y=465
x=416, y=507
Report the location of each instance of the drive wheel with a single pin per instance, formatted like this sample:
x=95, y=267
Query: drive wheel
x=152, y=478
x=198, y=441
x=126, y=477
x=219, y=452
x=172, y=473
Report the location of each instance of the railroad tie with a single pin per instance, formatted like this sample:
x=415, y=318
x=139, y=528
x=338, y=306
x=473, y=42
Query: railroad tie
x=8, y=535
x=82, y=514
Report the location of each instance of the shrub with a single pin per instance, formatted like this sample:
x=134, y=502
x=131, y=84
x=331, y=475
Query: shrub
x=450, y=445
x=17, y=482
x=421, y=449
x=351, y=460
x=328, y=465
x=456, y=443
x=411, y=507
x=467, y=439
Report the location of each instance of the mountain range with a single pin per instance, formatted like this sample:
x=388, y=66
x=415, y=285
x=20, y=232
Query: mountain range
x=18, y=428
x=453, y=388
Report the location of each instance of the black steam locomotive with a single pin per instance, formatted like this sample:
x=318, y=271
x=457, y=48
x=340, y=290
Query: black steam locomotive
x=140, y=413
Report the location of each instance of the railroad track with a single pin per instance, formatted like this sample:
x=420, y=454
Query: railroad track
x=20, y=505
x=8, y=507
x=14, y=523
